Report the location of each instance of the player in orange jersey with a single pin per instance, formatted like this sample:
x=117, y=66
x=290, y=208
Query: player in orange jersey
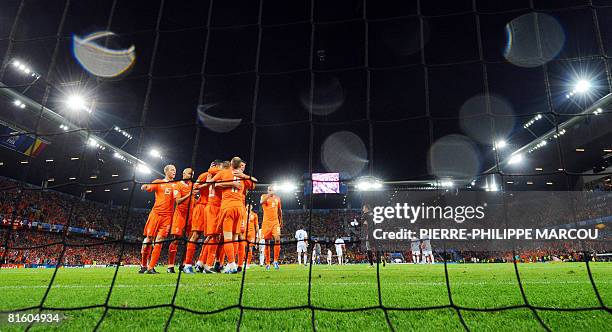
x=212, y=230
x=249, y=214
x=231, y=210
x=160, y=218
x=271, y=225
x=183, y=213
x=198, y=226
x=248, y=232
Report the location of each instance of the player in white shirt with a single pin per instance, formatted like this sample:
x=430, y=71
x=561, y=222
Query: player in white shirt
x=329, y=257
x=415, y=247
x=339, y=249
x=427, y=252
x=302, y=245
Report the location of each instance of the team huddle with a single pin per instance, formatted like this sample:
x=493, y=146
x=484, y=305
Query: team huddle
x=214, y=209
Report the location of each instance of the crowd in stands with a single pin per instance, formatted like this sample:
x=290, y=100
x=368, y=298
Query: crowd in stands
x=44, y=248
x=55, y=208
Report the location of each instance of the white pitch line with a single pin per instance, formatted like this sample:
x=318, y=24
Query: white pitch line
x=315, y=284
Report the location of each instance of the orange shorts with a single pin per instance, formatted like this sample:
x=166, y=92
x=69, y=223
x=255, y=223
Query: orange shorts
x=230, y=219
x=243, y=221
x=270, y=230
x=247, y=234
x=157, y=225
x=198, y=222
x=212, y=220
x=179, y=221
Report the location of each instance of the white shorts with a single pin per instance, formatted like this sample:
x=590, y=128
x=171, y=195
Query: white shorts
x=426, y=252
x=301, y=247
x=338, y=253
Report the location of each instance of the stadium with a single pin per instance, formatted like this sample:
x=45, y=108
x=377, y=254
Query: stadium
x=305, y=165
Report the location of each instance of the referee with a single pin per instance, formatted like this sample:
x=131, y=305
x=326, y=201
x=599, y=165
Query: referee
x=367, y=219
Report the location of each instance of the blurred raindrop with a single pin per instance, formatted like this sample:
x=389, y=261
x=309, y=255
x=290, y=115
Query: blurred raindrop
x=454, y=156
x=344, y=151
x=522, y=35
x=328, y=96
x=404, y=38
x=484, y=128
x=216, y=124
x=99, y=60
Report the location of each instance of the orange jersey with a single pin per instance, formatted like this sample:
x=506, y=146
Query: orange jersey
x=203, y=191
x=253, y=224
x=214, y=194
x=184, y=188
x=270, y=209
x=164, y=196
x=230, y=196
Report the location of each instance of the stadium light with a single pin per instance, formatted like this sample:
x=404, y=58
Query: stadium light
x=582, y=86
x=19, y=103
x=492, y=187
x=500, y=144
x=155, y=153
x=24, y=68
x=142, y=168
x=532, y=121
x=76, y=103
x=515, y=159
x=285, y=187
x=368, y=184
x=446, y=183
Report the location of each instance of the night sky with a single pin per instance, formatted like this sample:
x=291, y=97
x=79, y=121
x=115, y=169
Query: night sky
x=396, y=77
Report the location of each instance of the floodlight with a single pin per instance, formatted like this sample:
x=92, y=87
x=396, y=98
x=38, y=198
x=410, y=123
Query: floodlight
x=500, y=144
x=446, y=184
x=368, y=184
x=515, y=159
x=582, y=86
x=286, y=187
x=155, y=153
x=76, y=102
x=144, y=169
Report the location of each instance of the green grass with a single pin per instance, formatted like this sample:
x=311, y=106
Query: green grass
x=564, y=285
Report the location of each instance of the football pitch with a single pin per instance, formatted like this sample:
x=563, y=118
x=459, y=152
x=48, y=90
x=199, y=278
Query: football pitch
x=477, y=286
